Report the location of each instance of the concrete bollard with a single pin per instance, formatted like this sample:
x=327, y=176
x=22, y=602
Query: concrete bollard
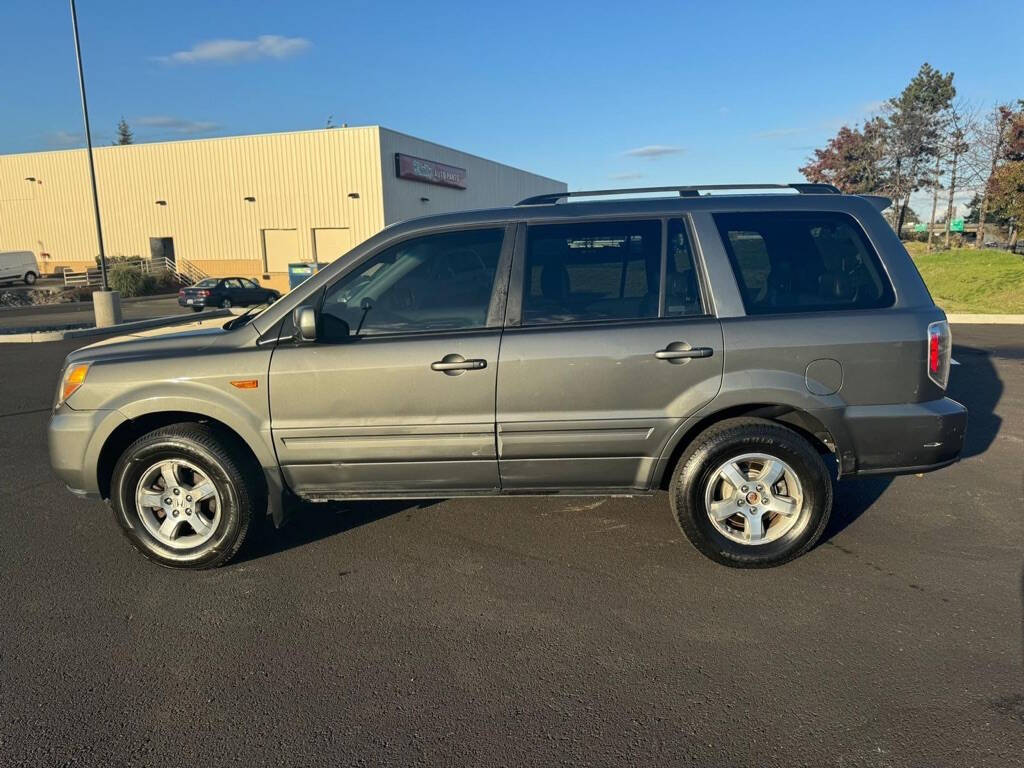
x=107, y=307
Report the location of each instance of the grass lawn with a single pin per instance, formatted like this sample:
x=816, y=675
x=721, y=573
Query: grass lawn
x=970, y=281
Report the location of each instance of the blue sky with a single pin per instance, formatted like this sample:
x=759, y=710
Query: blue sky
x=596, y=94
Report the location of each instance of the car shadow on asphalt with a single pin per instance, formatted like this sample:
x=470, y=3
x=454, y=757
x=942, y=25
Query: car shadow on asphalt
x=308, y=522
x=976, y=384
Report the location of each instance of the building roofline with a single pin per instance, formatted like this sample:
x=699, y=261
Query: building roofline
x=372, y=127
x=99, y=147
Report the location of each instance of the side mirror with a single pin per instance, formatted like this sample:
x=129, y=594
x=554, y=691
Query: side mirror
x=304, y=320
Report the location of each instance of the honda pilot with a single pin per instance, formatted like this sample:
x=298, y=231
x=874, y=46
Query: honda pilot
x=740, y=351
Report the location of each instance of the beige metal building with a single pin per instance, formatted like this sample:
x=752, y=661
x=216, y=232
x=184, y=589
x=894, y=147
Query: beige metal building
x=243, y=205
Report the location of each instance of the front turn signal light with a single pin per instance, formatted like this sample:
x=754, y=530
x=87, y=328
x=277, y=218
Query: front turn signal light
x=74, y=377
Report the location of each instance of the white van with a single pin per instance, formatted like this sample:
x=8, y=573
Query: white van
x=18, y=266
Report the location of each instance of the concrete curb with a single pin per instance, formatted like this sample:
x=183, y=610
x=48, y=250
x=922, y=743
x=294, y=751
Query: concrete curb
x=986, y=319
x=30, y=337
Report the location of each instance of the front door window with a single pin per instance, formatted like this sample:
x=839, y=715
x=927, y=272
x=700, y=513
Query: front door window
x=439, y=282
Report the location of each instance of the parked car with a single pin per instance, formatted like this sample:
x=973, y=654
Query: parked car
x=739, y=351
x=18, y=267
x=225, y=292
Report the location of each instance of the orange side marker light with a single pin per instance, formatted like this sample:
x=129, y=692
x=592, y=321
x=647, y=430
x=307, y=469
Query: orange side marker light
x=246, y=383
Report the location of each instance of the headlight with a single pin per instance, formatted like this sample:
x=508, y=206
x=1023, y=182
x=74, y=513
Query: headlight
x=70, y=381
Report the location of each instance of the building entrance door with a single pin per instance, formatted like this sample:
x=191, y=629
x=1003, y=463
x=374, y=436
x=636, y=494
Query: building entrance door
x=163, y=248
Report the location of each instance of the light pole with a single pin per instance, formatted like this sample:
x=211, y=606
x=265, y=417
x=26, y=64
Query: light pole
x=107, y=306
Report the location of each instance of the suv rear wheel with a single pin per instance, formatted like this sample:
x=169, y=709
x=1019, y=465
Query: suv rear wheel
x=30, y=278
x=184, y=496
x=751, y=493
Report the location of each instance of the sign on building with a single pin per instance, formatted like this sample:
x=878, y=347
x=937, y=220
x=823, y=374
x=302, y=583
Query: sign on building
x=429, y=172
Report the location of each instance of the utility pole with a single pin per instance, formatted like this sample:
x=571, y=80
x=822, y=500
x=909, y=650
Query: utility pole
x=108, y=308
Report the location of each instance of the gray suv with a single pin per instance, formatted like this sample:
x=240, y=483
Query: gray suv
x=737, y=350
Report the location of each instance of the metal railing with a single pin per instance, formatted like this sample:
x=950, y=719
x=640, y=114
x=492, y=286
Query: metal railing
x=183, y=272
x=186, y=272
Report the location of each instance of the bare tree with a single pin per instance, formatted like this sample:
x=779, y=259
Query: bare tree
x=989, y=138
x=936, y=186
x=962, y=119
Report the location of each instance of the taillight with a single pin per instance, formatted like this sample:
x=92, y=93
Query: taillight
x=181, y=292
x=940, y=346
x=203, y=293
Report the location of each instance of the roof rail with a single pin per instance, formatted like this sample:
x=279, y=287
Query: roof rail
x=687, y=191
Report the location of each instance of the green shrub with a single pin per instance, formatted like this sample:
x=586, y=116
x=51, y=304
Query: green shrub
x=164, y=282
x=115, y=260
x=128, y=281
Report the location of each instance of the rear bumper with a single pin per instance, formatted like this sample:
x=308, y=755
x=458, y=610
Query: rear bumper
x=906, y=438
x=195, y=303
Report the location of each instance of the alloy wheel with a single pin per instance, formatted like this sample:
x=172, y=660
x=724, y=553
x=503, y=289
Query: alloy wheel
x=178, y=504
x=754, y=499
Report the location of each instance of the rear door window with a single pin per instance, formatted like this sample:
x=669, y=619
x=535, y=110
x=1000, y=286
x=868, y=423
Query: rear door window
x=592, y=270
x=803, y=262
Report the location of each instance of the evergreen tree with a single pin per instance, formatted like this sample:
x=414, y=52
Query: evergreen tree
x=124, y=133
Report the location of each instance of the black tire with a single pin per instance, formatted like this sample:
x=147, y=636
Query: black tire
x=30, y=278
x=197, y=309
x=234, y=474
x=734, y=437
x=225, y=304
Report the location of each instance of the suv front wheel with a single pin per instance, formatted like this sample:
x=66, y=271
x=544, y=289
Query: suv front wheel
x=184, y=496
x=751, y=493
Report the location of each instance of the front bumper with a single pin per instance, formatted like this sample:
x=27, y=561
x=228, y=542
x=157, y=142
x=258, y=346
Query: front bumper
x=906, y=438
x=75, y=440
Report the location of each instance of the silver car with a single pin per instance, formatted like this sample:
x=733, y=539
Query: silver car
x=740, y=351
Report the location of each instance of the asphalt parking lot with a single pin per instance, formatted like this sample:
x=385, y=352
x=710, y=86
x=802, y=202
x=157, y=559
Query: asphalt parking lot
x=525, y=631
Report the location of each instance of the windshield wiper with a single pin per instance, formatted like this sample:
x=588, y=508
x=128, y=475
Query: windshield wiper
x=239, y=321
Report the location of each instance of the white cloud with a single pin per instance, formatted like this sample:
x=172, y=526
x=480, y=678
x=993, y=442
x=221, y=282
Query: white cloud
x=65, y=139
x=653, y=150
x=176, y=124
x=628, y=176
x=778, y=133
x=228, y=50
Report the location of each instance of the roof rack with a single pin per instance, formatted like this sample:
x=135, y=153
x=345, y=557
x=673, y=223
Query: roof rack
x=687, y=191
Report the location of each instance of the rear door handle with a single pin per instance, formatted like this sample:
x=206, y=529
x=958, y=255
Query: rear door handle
x=681, y=351
x=454, y=365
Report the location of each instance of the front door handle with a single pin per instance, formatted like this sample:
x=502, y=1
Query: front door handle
x=455, y=365
x=679, y=352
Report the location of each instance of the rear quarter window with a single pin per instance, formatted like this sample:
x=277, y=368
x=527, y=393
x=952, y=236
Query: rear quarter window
x=803, y=262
